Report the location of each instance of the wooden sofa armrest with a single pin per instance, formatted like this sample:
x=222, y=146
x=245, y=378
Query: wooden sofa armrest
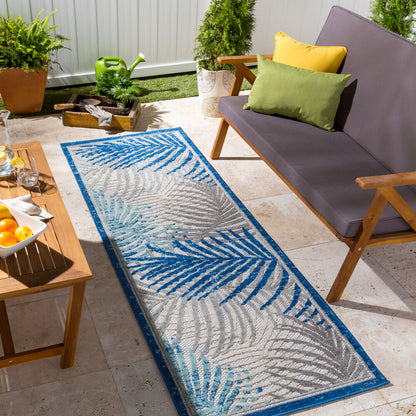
x=240, y=59
x=386, y=181
x=241, y=70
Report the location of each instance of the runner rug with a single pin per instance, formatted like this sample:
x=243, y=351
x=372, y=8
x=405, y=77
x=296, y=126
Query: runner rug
x=233, y=325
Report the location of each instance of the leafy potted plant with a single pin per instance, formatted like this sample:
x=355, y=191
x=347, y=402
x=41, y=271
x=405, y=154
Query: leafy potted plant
x=395, y=15
x=226, y=30
x=119, y=88
x=25, y=53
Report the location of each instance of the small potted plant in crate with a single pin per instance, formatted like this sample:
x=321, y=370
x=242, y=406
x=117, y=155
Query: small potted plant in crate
x=119, y=88
x=226, y=30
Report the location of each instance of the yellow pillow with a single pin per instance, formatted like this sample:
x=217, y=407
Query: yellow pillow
x=316, y=58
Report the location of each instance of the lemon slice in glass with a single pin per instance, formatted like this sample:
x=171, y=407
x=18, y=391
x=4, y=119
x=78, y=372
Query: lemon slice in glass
x=17, y=162
x=2, y=148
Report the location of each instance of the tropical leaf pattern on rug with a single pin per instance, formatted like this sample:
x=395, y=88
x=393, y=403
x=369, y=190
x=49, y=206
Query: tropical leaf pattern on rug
x=240, y=328
x=213, y=389
x=156, y=152
x=318, y=358
x=198, y=269
x=150, y=209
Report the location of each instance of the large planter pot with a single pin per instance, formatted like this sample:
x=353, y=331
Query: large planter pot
x=22, y=92
x=211, y=86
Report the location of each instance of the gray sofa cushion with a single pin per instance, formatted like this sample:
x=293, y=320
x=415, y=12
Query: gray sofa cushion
x=378, y=108
x=321, y=165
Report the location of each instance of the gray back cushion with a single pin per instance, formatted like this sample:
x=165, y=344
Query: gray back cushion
x=378, y=106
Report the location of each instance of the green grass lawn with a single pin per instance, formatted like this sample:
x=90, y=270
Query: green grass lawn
x=167, y=87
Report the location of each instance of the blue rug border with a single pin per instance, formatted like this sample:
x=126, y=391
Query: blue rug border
x=320, y=399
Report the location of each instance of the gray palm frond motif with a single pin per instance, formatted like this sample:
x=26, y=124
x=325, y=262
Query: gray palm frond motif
x=307, y=359
x=212, y=329
x=160, y=203
x=156, y=152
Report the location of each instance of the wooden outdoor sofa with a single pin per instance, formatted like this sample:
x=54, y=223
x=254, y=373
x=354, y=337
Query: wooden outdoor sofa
x=359, y=178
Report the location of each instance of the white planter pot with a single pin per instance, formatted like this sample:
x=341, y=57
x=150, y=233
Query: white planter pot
x=211, y=86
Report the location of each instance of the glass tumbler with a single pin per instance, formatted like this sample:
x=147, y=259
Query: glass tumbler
x=29, y=175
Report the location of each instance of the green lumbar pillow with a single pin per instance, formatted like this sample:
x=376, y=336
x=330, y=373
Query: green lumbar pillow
x=309, y=96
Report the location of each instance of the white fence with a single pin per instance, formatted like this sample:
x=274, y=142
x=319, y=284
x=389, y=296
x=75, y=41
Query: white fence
x=163, y=30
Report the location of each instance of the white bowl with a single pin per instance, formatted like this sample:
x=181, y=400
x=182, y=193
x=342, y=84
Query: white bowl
x=37, y=227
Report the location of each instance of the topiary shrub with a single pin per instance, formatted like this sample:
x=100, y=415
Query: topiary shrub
x=226, y=30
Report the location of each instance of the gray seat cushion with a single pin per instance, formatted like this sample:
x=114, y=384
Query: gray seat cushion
x=322, y=166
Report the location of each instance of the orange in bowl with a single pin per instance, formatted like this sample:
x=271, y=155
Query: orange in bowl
x=22, y=232
x=8, y=225
x=5, y=212
x=7, y=239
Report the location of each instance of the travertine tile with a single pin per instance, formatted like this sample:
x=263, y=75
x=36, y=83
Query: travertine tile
x=399, y=261
x=289, y=222
x=389, y=337
x=384, y=410
x=93, y=394
x=143, y=390
x=250, y=178
x=406, y=407
x=122, y=339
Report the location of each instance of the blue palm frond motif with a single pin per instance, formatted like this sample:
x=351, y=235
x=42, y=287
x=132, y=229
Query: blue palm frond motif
x=213, y=389
x=162, y=151
x=198, y=269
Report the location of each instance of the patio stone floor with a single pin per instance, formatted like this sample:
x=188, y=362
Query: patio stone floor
x=114, y=372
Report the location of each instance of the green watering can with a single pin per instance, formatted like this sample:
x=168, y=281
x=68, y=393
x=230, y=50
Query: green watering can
x=115, y=65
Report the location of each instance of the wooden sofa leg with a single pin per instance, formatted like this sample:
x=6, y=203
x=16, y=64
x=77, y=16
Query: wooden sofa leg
x=344, y=274
x=219, y=141
x=367, y=228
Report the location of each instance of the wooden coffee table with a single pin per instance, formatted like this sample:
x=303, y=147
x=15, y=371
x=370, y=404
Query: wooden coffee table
x=55, y=260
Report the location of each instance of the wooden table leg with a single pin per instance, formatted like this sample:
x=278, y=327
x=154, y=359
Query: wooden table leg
x=5, y=333
x=72, y=324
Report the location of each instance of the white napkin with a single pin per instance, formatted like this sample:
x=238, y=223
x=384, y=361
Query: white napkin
x=26, y=205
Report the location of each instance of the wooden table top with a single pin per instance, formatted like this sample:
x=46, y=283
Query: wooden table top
x=56, y=258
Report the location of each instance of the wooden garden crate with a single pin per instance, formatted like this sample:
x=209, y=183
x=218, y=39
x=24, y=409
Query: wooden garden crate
x=79, y=117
